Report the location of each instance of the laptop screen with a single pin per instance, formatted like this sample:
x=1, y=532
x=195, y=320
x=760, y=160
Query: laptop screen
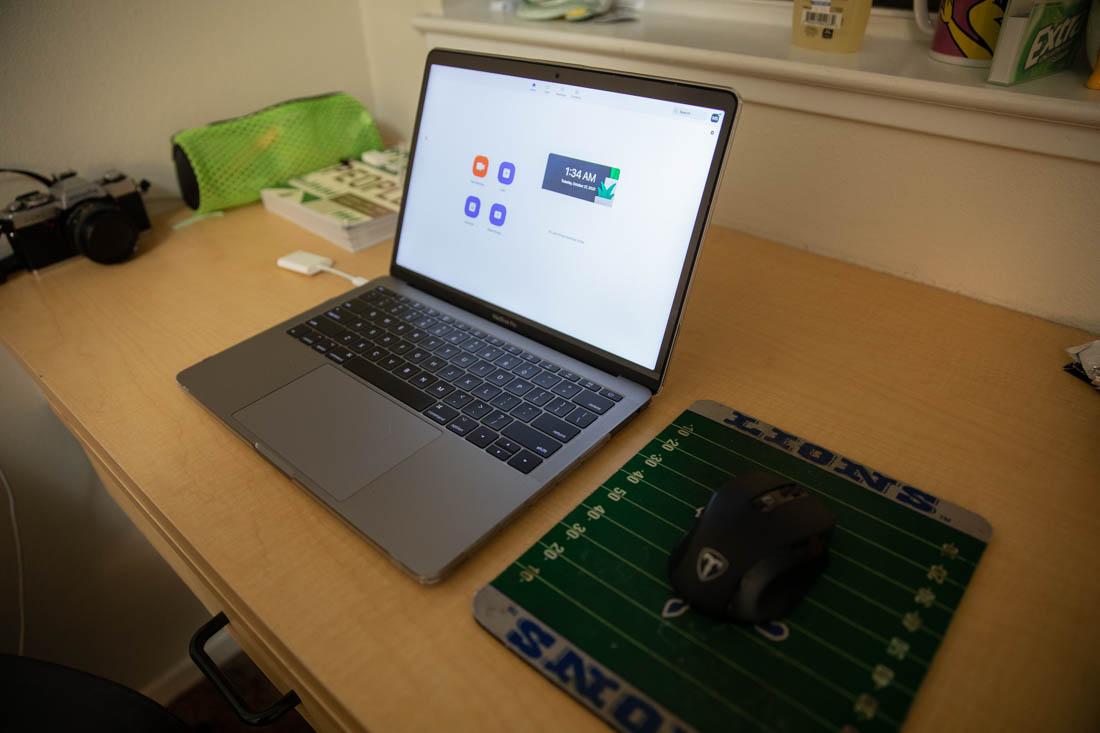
x=570, y=206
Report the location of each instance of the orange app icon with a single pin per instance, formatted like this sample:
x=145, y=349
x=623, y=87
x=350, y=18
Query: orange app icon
x=481, y=166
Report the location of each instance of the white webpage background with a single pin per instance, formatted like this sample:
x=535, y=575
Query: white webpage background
x=603, y=275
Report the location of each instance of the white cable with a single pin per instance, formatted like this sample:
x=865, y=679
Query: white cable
x=18, y=560
x=356, y=281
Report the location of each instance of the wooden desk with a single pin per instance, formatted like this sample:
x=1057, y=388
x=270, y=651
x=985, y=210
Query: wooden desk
x=963, y=398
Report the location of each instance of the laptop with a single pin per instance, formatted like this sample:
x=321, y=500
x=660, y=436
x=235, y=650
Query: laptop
x=552, y=217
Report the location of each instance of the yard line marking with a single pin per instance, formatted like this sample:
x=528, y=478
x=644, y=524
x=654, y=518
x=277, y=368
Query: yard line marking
x=669, y=468
x=860, y=627
x=627, y=529
x=658, y=516
x=729, y=662
x=895, y=553
x=873, y=602
x=671, y=496
x=854, y=508
x=887, y=578
x=865, y=666
x=641, y=647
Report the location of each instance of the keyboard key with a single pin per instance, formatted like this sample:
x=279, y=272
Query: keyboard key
x=375, y=353
x=424, y=323
x=568, y=375
x=402, y=328
x=477, y=333
x=389, y=384
x=299, y=330
x=500, y=378
x=440, y=330
x=457, y=337
x=497, y=420
x=309, y=339
x=508, y=445
x=593, y=402
x=355, y=305
x=490, y=353
x=337, y=315
x=494, y=341
x=417, y=355
x=519, y=387
x=416, y=335
x=461, y=326
x=408, y=371
x=340, y=354
x=361, y=344
x=566, y=390
x=447, y=351
x=546, y=380
x=326, y=327
x=486, y=391
x=559, y=407
x=514, y=350
x=538, y=396
x=477, y=409
x=458, y=400
x=473, y=345
x=497, y=452
x=439, y=390
x=462, y=425
x=549, y=366
x=373, y=294
x=506, y=402
x=581, y=417
x=367, y=330
x=524, y=462
x=464, y=360
x=434, y=364
x=402, y=348
x=431, y=343
x=446, y=319
x=424, y=380
x=589, y=384
x=482, y=369
x=347, y=338
x=391, y=362
x=555, y=428
x=387, y=340
x=526, y=412
x=468, y=382
x=613, y=396
x=449, y=373
x=508, y=362
x=525, y=370
x=441, y=413
x=481, y=436
x=529, y=357
x=533, y=440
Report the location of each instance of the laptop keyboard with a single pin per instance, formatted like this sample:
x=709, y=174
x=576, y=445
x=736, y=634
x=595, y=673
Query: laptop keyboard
x=506, y=401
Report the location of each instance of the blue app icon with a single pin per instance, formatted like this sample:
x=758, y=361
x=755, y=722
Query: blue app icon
x=714, y=117
x=497, y=214
x=506, y=173
x=473, y=206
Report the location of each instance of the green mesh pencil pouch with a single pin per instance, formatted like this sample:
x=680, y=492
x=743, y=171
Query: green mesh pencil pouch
x=226, y=163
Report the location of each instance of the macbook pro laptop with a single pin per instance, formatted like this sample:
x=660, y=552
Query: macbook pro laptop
x=552, y=216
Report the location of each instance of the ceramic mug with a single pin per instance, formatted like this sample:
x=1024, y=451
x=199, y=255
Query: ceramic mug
x=967, y=32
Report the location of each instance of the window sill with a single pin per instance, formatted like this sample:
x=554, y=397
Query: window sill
x=891, y=82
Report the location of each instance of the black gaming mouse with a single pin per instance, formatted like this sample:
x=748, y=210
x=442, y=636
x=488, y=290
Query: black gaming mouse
x=755, y=551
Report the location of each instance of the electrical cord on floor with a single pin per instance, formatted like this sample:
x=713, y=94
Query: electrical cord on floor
x=18, y=560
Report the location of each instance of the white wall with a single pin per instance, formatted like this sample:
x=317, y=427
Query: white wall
x=94, y=85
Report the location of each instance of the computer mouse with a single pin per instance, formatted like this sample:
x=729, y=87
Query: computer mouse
x=755, y=550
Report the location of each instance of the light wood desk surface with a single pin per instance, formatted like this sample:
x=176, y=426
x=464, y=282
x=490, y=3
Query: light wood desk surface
x=965, y=399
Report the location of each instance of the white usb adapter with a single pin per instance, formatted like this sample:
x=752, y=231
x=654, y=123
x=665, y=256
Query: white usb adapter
x=308, y=263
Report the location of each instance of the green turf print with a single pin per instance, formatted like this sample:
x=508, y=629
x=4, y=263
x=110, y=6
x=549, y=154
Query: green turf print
x=849, y=658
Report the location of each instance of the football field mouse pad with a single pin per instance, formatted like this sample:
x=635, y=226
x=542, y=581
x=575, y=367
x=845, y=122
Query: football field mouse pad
x=590, y=605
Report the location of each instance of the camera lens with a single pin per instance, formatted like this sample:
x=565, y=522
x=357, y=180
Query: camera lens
x=102, y=232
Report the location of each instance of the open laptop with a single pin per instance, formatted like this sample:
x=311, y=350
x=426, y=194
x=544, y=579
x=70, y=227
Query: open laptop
x=552, y=216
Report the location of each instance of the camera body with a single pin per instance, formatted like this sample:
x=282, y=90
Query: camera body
x=99, y=219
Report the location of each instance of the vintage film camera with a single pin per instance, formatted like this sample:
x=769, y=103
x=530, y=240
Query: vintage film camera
x=99, y=219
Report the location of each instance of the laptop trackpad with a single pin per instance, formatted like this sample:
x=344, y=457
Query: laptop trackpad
x=333, y=430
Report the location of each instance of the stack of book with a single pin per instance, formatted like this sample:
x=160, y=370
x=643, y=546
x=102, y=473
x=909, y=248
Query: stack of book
x=353, y=204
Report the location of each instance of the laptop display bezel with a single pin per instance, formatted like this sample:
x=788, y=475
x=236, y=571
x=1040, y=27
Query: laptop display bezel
x=668, y=90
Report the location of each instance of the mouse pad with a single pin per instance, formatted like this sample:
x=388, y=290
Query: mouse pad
x=590, y=607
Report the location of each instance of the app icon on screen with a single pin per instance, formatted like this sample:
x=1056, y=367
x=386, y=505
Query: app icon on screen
x=497, y=214
x=473, y=206
x=506, y=173
x=481, y=166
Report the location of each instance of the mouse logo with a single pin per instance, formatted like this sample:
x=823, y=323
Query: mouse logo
x=710, y=564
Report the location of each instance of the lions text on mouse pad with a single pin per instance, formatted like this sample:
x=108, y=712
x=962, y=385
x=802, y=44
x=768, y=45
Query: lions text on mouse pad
x=590, y=605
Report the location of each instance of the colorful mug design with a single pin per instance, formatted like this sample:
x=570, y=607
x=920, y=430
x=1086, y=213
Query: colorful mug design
x=967, y=31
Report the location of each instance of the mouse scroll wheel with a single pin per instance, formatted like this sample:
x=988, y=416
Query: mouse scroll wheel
x=768, y=501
